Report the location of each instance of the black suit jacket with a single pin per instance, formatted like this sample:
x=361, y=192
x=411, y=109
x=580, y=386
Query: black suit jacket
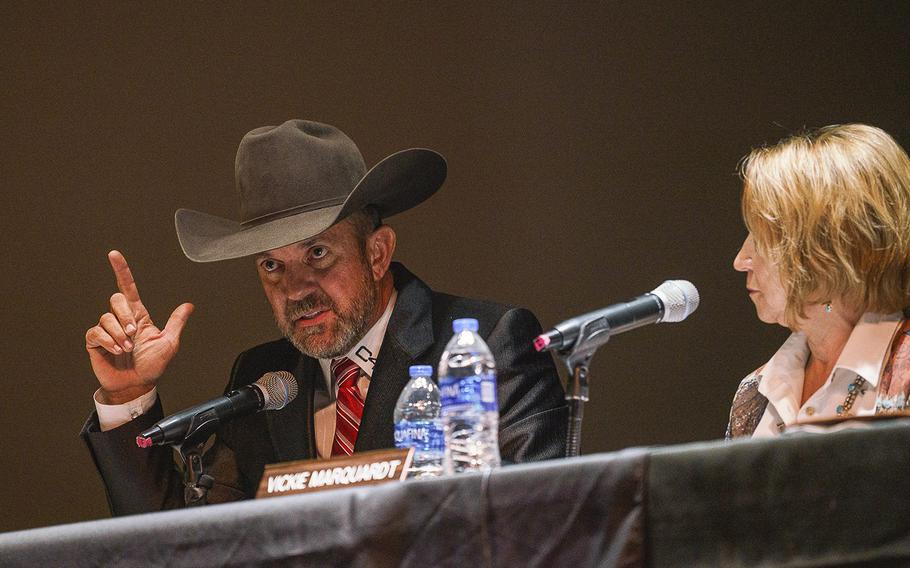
x=532, y=423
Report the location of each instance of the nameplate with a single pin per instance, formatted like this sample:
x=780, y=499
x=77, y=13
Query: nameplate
x=305, y=476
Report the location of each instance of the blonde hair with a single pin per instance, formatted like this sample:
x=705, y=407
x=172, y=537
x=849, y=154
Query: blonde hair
x=832, y=209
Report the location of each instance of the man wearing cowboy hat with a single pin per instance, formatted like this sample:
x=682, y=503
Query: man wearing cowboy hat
x=311, y=217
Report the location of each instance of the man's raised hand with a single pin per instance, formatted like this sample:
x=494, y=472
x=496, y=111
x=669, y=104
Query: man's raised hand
x=127, y=351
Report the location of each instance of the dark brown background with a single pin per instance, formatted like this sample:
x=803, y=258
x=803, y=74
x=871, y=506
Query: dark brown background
x=592, y=153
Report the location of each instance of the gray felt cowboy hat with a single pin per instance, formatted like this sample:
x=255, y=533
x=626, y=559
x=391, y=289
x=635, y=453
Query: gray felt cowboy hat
x=297, y=180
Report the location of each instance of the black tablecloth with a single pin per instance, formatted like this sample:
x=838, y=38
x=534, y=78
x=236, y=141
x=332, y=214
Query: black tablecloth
x=802, y=500
x=585, y=511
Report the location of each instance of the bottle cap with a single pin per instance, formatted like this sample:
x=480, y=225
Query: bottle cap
x=469, y=324
x=420, y=371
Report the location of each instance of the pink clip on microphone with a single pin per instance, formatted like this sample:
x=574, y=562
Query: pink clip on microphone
x=143, y=442
x=541, y=342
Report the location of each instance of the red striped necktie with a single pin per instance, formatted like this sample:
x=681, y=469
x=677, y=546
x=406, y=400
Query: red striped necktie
x=348, y=406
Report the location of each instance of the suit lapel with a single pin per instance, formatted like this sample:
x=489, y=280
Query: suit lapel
x=291, y=429
x=408, y=335
x=747, y=409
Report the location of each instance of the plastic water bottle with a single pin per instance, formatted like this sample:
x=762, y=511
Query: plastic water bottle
x=470, y=413
x=417, y=422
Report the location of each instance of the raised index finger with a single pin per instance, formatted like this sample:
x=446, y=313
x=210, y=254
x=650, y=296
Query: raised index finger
x=125, y=282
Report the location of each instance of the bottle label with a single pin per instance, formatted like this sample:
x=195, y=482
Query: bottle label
x=422, y=435
x=457, y=393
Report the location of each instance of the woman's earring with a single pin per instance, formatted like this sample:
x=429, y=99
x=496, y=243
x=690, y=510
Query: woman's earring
x=827, y=307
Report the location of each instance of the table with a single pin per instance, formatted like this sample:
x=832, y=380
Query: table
x=800, y=500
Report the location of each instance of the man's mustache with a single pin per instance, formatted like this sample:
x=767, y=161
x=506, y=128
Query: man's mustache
x=294, y=309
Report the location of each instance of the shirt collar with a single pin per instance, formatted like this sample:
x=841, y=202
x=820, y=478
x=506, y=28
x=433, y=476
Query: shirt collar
x=365, y=351
x=864, y=353
x=782, y=377
x=868, y=345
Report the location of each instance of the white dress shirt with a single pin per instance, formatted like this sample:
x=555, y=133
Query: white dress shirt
x=364, y=353
x=864, y=355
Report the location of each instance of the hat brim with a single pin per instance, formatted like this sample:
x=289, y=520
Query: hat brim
x=395, y=184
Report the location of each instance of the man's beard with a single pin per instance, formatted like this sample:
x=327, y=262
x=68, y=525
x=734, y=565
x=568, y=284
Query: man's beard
x=349, y=325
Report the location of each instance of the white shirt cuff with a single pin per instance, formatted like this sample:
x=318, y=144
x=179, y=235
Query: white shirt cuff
x=111, y=416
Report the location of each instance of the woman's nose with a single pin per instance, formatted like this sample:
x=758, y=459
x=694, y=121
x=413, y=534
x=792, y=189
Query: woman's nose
x=743, y=259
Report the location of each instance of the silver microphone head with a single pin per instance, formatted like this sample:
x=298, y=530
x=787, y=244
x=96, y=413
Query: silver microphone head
x=278, y=388
x=680, y=299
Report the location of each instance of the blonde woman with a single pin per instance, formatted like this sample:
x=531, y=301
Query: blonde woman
x=828, y=257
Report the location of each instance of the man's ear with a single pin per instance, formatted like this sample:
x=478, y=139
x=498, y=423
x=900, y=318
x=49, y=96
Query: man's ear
x=380, y=248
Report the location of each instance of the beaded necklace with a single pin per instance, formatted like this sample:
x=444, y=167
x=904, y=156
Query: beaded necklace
x=853, y=389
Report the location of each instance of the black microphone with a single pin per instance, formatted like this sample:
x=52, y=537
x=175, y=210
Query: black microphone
x=672, y=301
x=273, y=391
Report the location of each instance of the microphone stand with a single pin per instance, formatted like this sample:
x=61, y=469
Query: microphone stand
x=196, y=482
x=591, y=335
